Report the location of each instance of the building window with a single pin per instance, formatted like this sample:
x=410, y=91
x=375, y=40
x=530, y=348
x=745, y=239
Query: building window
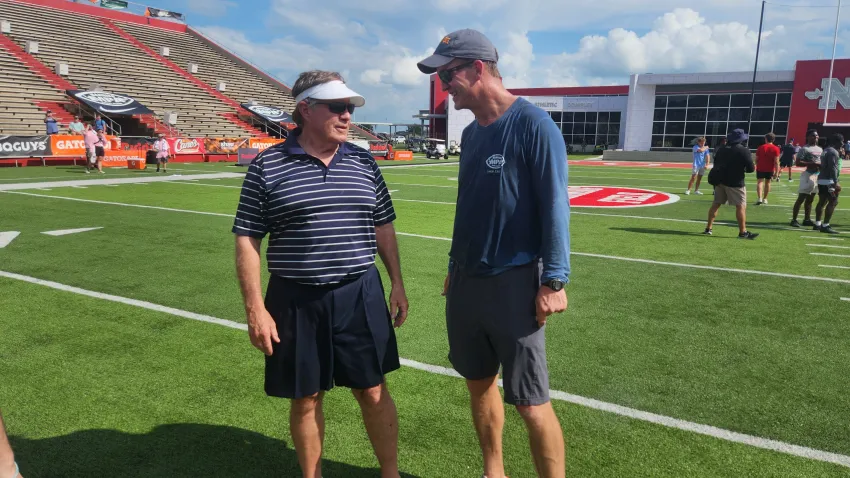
x=591, y=128
x=679, y=119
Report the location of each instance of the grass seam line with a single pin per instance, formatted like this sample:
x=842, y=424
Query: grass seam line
x=669, y=422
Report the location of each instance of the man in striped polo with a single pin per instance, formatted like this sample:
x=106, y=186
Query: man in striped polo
x=324, y=321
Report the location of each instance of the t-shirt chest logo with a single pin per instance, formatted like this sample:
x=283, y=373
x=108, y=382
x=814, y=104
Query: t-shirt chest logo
x=494, y=164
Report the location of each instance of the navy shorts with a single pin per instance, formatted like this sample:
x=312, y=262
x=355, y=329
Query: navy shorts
x=329, y=335
x=492, y=323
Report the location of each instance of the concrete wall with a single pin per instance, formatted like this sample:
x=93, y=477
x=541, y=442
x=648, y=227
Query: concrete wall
x=457, y=120
x=639, y=113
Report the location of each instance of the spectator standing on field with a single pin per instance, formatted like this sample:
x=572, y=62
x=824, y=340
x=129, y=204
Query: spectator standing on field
x=767, y=167
x=828, y=187
x=90, y=139
x=99, y=124
x=788, y=158
x=808, y=157
x=510, y=252
x=162, y=152
x=731, y=163
x=702, y=159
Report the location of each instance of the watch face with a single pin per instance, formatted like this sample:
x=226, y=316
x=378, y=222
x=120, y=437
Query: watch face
x=555, y=285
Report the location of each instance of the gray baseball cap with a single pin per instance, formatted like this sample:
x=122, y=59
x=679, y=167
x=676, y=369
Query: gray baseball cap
x=465, y=43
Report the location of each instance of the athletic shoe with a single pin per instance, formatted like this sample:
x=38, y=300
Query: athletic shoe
x=698, y=192
x=808, y=222
x=790, y=180
x=748, y=235
x=758, y=203
x=764, y=201
x=688, y=192
x=794, y=223
x=816, y=228
x=707, y=231
x=828, y=230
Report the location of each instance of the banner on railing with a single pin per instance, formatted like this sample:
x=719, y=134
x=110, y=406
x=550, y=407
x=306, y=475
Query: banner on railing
x=24, y=146
x=224, y=145
x=269, y=113
x=186, y=145
x=159, y=13
x=263, y=143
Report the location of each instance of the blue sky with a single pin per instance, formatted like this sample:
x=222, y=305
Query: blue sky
x=375, y=44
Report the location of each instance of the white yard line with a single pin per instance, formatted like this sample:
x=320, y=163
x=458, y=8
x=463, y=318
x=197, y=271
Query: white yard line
x=665, y=421
x=111, y=203
x=834, y=267
x=829, y=246
x=846, y=298
x=829, y=255
x=108, y=181
x=824, y=238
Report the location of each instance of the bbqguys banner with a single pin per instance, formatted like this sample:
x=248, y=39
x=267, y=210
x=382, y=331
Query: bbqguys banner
x=186, y=145
x=24, y=146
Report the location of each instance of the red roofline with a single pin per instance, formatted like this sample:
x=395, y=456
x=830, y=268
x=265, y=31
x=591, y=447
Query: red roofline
x=572, y=91
x=105, y=13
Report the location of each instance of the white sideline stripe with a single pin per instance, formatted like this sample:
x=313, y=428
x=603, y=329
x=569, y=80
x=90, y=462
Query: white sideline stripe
x=695, y=266
x=828, y=255
x=675, y=264
x=828, y=245
x=120, y=204
x=823, y=238
x=65, y=232
x=211, y=185
x=107, y=181
x=846, y=298
x=669, y=422
x=833, y=267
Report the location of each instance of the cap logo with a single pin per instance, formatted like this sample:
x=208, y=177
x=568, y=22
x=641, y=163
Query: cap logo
x=445, y=40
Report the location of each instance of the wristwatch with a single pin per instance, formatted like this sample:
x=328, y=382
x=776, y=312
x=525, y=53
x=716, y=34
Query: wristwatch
x=554, y=284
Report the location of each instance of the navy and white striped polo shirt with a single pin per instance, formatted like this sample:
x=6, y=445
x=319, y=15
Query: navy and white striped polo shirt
x=321, y=220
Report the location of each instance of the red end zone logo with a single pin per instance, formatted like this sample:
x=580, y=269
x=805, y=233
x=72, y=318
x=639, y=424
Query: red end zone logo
x=607, y=196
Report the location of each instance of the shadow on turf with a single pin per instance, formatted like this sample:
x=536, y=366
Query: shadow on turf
x=80, y=169
x=179, y=450
x=646, y=230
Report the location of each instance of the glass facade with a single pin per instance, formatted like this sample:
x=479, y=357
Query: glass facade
x=680, y=119
x=590, y=128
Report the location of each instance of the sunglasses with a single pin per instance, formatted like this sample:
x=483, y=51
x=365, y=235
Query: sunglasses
x=446, y=76
x=338, y=107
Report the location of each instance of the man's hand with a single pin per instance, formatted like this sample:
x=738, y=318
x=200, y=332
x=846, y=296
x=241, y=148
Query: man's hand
x=262, y=330
x=446, y=285
x=398, y=305
x=549, y=302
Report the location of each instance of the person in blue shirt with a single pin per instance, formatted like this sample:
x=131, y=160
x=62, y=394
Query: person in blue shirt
x=99, y=124
x=510, y=253
x=702, y=158
x=51, y=123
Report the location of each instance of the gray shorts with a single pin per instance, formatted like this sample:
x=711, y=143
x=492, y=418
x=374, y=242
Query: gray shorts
x=491, y=321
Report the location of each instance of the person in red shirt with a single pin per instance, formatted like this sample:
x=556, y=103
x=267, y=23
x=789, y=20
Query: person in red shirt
x=767, y=166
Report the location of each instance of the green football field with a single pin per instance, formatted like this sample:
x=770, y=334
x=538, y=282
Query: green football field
x=121, y=352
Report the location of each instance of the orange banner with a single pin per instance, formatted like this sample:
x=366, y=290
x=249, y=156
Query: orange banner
x=69, y=145
x=402, y=156
x=264, y=143
x=119, y=159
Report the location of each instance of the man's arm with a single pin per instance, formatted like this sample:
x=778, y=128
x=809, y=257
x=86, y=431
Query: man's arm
x=388, y=250
x=261, y=326
x=749, y=165
x=548, y=158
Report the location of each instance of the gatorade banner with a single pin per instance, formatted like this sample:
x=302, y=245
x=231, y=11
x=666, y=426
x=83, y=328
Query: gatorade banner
x=186, y=145
x=68, y=145
x=119, y=159
x=24, y=146
x=264, y=143
x=224, y=145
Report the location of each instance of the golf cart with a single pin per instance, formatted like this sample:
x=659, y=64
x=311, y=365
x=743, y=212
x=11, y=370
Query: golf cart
x=454, y=148
x=436, y=148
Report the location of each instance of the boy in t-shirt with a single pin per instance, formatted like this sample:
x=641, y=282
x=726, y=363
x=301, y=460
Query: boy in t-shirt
x=702, y=158
x=767, y=167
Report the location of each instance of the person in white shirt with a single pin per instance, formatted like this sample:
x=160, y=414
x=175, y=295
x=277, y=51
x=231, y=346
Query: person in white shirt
x=162, y=152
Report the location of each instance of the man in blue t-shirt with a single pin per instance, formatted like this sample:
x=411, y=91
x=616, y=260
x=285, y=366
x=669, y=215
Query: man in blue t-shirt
x=701, y=161
x=509, y=258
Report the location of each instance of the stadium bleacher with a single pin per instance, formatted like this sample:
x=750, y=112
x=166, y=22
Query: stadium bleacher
x=123, y=57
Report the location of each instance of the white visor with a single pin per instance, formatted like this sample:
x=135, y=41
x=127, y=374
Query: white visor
x=332, y=90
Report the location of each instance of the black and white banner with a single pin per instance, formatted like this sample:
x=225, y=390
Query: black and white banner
x=269, y=113
x=24, y=146
x=159, y=13
x=110, y=103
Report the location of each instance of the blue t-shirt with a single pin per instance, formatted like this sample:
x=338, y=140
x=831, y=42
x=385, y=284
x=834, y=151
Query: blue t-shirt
x=52, y=125
x=99, y=124
x=512, y=203
x=699, y=157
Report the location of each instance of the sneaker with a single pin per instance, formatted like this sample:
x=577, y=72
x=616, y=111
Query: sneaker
x=698, y=192
x=758, y=203
x=808, y=222
x=790, y=180
x=688, y=192
x=707, y=231
x=748, y=235
x=816, y=227
x=764, y=201
x=794, y=223
x=829, y=230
